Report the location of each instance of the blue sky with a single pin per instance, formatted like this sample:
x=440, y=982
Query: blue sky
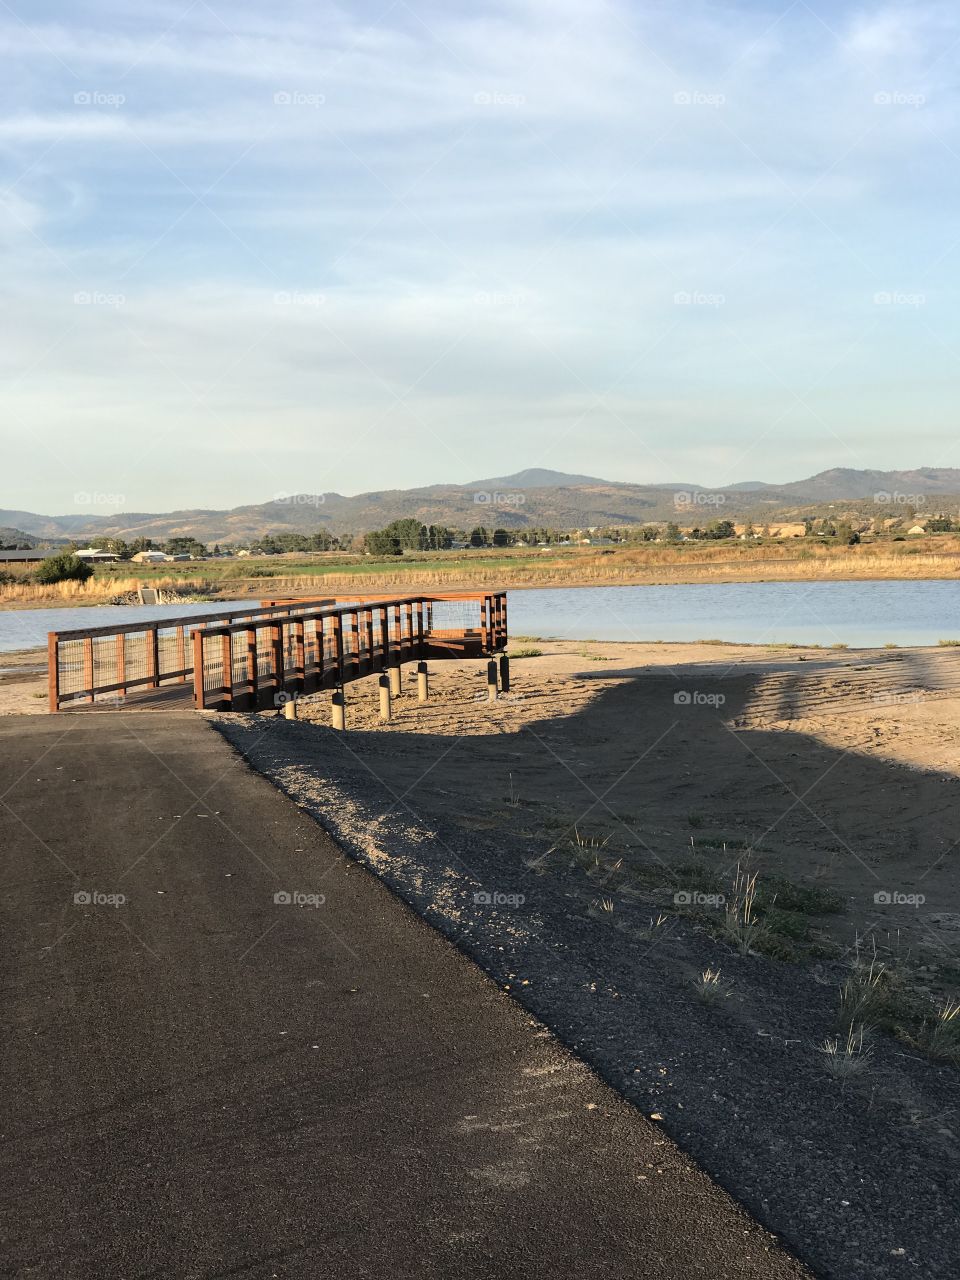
x=253, y=249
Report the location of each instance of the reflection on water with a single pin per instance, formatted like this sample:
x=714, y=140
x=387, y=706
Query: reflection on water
x=27, y=628
x=860, y=614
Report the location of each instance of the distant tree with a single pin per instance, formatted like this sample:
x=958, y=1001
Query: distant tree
x=478, y=537
x=717, y=529
x=380, y=542
x=184, y=546
x=439, y=538
x=501, y=538
x=65, y=567
x=672, y=532
x=323, y=540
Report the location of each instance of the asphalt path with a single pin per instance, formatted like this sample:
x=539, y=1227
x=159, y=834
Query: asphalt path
x=228, y=1050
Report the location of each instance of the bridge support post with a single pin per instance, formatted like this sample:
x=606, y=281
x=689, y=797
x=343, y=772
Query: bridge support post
x=492, y=680
x=290, y=709
x=395, y=687
x=385, y=691
x=504, y=673
x=423, y=682
x=338, y=711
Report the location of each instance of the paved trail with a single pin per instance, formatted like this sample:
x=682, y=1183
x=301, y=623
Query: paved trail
x=203, y=1082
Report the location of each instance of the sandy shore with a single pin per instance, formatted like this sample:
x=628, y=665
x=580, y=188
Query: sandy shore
x=835, y=768
x=554, y=833
x=23, y=682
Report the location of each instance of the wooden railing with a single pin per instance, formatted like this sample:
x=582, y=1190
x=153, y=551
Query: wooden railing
x=261, y=662
x=93, y=664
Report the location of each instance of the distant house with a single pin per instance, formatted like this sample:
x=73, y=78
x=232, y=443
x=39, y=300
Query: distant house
x=151, y=557
x=24, y=557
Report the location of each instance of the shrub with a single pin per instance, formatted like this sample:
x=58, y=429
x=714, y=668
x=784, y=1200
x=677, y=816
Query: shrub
x=64, y=567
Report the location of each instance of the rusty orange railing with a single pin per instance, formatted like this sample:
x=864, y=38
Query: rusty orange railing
x=261, y=661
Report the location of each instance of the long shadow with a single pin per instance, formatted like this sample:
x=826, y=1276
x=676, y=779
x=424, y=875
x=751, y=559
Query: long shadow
x=742, y=1085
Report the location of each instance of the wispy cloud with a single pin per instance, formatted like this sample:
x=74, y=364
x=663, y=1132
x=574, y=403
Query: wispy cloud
x=601, y=236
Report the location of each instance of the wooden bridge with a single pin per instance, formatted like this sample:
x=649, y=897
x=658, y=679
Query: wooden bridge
x=259, y=657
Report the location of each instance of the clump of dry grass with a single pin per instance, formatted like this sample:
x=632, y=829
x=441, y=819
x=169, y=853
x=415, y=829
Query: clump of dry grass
x=708, y=988
x=846, y=1057
x=865, y=994
x=742, y=925
x=939, y=1033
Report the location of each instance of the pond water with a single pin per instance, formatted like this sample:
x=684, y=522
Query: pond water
x=27, y=628
x=860, y=614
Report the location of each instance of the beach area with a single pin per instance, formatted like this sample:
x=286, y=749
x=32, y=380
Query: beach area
x=583, y=837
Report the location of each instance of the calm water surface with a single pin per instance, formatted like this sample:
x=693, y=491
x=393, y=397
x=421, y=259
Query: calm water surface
x=27, y=628
x=861, y=614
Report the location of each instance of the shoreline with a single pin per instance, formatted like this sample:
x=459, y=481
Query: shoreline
x=611, y=569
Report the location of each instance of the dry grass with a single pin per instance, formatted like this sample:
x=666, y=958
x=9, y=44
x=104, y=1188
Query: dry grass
x=846, y=1057
x=742, y=925
x=521, y=567
x=94, y=591
x=708, y=988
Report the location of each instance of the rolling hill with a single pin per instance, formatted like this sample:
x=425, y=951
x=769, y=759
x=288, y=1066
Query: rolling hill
x=531, y=498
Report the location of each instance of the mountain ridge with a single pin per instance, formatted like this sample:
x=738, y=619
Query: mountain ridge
x=533, y=497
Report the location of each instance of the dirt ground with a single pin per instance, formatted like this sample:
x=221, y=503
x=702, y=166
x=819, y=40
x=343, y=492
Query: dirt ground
x=23, y=682
x=579, y=838
x=835, y=769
